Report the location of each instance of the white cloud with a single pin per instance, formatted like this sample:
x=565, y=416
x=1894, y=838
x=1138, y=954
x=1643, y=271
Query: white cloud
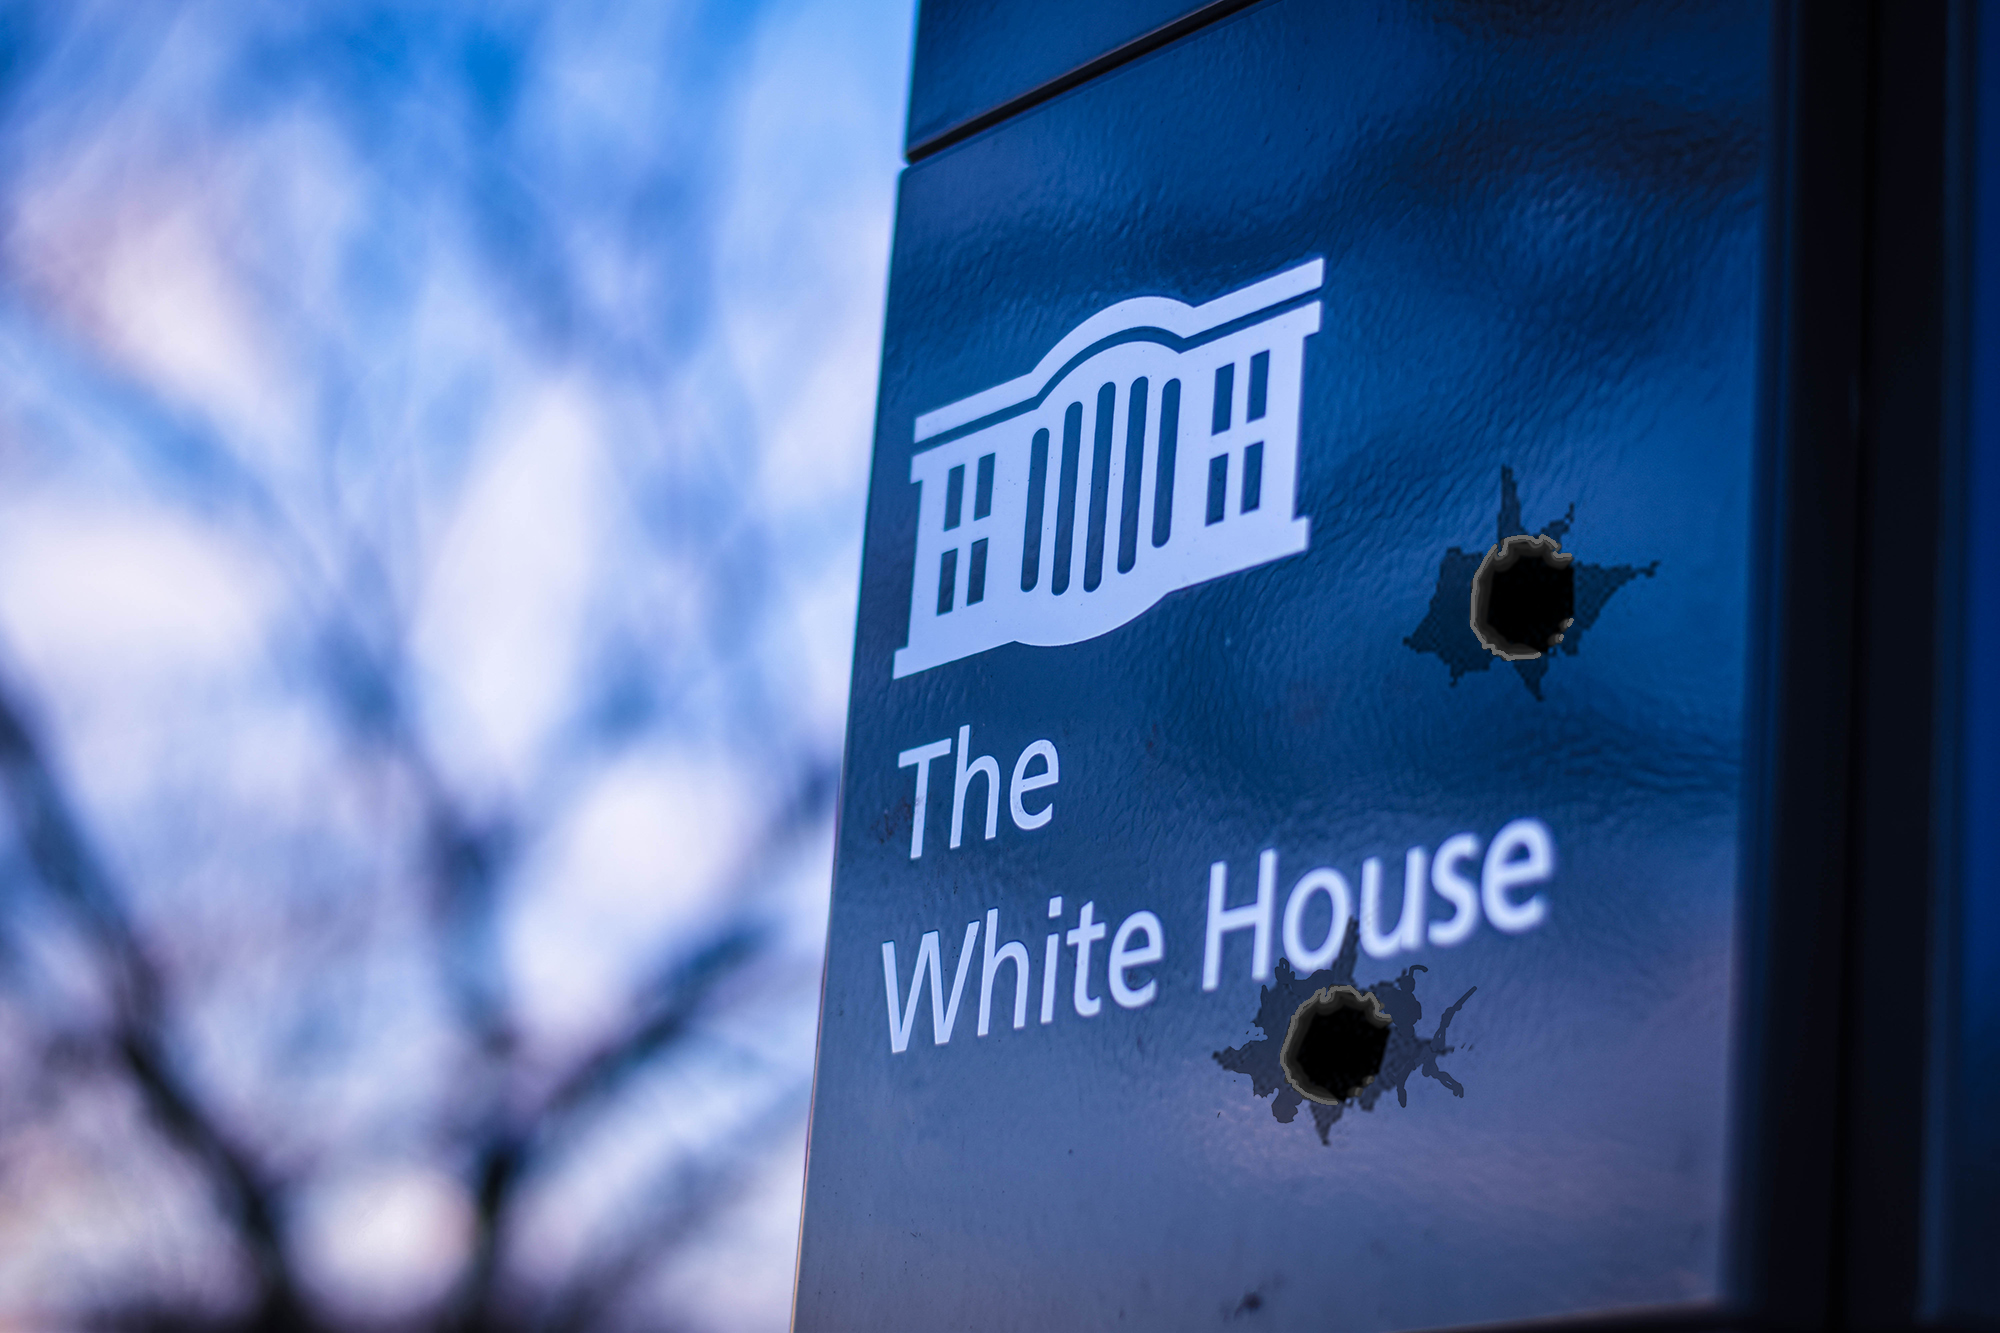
x=500, y=627
x=385, y=1240
x=639, y=863
x=109, y=594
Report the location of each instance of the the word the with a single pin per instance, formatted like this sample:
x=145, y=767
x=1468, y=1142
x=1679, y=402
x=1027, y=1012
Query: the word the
x=1026, y=779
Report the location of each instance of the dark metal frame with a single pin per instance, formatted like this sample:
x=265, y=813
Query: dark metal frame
x=1853, y=761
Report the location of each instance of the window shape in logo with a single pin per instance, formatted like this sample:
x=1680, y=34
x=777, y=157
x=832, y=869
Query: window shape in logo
x=1154, y=448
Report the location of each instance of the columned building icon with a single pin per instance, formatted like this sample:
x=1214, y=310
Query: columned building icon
x=1153, y=448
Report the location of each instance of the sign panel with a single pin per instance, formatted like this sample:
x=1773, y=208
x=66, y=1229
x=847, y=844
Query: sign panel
x=1220, y=929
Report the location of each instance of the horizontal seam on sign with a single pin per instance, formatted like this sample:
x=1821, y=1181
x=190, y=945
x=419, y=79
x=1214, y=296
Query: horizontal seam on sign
x=1082, y=74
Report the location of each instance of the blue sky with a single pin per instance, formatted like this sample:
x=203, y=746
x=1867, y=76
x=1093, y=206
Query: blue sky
x=431, y=430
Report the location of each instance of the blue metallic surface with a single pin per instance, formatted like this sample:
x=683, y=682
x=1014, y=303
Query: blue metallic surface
x=973, y=55
x=1541, y=233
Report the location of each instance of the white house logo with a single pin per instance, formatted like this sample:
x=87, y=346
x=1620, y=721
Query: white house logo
x=1155, y=447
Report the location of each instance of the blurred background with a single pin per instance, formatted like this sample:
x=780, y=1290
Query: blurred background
x=433, y=440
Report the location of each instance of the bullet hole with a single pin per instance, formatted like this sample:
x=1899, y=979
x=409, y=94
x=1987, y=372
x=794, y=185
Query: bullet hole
x=1406, y=1057
x=1523, y=597
x=1334, y=1046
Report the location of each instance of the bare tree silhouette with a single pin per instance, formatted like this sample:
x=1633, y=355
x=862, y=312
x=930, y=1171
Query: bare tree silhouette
x=413, y=424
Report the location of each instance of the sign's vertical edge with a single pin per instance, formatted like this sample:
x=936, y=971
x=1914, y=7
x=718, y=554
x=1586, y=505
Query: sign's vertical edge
x=855, y=683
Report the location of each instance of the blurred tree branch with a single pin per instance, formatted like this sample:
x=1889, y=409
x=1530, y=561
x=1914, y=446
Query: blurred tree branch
x=509, y=1143
x=662, y=1016
x=411, y=246
x=72, y=869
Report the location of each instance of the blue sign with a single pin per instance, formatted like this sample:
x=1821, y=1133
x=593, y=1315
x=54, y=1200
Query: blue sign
x=1221, y=926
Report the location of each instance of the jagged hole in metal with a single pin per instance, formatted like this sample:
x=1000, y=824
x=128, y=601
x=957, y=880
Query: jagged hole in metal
x=1524, y=597
x=1336, y=1044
